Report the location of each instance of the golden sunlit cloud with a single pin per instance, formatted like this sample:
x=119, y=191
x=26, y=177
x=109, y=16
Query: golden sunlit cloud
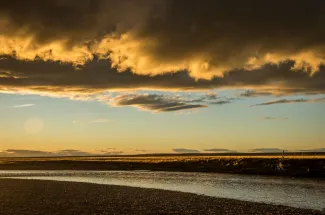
x=127, y=52
x=157, y=37
x=26, y=49
x=95, y=48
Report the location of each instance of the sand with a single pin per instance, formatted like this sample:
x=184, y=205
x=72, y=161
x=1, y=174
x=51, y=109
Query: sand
x=52, y=197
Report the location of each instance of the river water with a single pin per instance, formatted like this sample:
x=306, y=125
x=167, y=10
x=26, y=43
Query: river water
x=303, y=193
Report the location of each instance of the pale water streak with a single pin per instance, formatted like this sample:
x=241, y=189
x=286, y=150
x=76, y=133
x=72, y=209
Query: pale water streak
x=304, y=193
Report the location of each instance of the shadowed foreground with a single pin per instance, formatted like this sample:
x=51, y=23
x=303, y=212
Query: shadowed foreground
x=52, y=197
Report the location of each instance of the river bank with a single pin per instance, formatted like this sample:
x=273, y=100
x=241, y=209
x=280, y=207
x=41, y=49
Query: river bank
x=53, y=197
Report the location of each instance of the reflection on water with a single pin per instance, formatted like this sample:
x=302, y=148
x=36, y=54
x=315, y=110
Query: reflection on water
x=305, y=193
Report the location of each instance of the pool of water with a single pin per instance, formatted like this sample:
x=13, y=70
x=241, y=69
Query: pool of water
x=303, y=193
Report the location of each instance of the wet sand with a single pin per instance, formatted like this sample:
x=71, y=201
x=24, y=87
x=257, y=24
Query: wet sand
x=52, y=197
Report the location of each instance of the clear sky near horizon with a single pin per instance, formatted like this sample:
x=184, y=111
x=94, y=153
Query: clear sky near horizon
x=33, y=122
x=170, y=77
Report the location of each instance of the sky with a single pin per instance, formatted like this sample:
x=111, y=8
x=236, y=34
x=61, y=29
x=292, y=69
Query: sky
x=110, y=77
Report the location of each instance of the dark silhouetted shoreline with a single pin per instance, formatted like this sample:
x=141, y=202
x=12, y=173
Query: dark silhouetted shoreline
x=292, y=166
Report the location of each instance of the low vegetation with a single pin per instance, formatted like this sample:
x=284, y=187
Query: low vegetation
x=306, y=166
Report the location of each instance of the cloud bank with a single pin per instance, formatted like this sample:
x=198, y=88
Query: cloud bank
x=67, y=152
x=80, y=49
x=206, y=39
x=53, y=77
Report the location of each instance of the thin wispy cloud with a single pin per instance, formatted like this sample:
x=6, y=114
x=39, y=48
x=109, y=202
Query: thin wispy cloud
x=254, y=93
x=219, y=150
x=184, y=150
x=222, y=102
x=141, y=150
x=267, y=150
x=290, y=101
x=313, y=150
x=274, y=118
x=100, y=120
x=170, y=102
x=111, y=151
x=23, y=105
x=155, y=103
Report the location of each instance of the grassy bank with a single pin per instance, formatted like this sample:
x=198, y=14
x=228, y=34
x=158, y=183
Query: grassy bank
x=307, y=166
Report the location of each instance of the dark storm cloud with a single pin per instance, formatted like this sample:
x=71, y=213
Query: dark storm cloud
x=71, y=20
x=290, y=101
x=99, y=75
x=60, y=47
x=220, y=37
x=182, y=150
x=153, y=37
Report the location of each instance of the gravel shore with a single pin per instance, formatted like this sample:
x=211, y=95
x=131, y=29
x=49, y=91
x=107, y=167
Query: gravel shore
x=36, y=197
